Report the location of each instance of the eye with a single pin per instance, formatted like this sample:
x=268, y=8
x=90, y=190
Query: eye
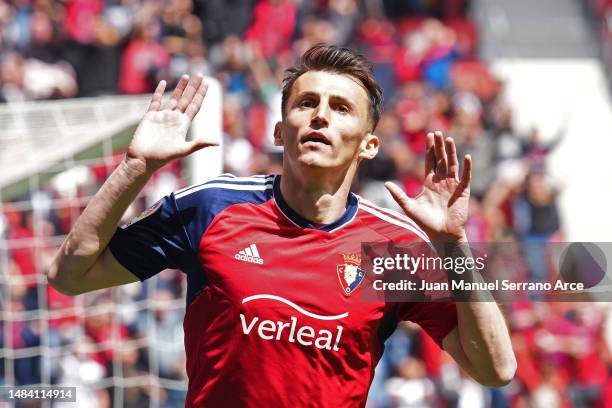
x=342, y=109
x=306, y=103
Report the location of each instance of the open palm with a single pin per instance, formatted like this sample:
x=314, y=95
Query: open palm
x=441, y=209
x=160, y=136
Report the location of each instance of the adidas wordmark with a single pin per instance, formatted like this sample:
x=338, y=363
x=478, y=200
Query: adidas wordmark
x=249, y=254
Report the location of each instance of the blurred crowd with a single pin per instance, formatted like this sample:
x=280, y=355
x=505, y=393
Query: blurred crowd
x=124, y=346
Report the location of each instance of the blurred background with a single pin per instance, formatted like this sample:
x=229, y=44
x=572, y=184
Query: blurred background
x=523, y=86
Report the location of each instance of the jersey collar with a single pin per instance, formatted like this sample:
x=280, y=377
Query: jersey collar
x=301, y=222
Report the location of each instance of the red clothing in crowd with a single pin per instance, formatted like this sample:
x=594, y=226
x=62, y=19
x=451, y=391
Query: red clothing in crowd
x=80, y=20
x=139, y=60
x=22, y=251
x=273, y=26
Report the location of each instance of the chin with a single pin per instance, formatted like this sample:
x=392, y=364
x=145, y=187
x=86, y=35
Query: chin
x=312, y=159
x=313, y=163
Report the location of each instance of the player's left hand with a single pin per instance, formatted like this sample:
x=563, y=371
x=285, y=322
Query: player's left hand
x=441, y=209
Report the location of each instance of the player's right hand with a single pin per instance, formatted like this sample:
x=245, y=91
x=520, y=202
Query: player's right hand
x=160, y=136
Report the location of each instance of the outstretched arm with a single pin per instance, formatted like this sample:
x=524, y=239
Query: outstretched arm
x=83, y=263
x=480, y=343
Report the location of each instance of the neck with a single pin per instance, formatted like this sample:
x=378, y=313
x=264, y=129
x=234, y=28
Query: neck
x=319, y=195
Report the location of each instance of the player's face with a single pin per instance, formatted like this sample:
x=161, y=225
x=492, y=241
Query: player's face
x=326, y=123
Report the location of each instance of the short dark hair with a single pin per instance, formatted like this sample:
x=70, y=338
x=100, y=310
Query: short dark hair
x=338, y=60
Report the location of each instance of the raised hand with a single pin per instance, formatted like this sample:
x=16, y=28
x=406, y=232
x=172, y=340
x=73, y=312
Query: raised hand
x=441, y=209
x=160, y=136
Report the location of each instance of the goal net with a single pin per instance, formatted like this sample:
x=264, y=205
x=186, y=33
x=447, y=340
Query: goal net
x=121, y=346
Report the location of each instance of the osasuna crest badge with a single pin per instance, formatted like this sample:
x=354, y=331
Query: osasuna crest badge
x=350, y=274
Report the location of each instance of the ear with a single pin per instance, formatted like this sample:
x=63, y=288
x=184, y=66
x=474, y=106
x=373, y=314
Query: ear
x=369, y=147
x=278, y=140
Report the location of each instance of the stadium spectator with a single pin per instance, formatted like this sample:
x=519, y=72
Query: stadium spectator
x=411, y=388
x=273, y=26
x=143, y=59
x=536, y=220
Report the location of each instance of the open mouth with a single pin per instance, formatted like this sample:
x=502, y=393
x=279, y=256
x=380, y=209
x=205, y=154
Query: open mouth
x=315, y=137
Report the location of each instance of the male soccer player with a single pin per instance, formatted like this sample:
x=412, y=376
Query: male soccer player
x=272, y=262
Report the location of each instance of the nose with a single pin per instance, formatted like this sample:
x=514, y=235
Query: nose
x=320, y=115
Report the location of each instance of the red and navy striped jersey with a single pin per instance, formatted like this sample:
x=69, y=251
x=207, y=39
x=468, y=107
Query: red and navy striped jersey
x=273, y=317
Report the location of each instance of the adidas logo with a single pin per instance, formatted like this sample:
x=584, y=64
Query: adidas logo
x=249, y=254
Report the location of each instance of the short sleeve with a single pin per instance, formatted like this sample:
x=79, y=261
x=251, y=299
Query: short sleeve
x=436, y=318
x=153, y=241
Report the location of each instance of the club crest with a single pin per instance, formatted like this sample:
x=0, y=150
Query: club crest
x=350, y=274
